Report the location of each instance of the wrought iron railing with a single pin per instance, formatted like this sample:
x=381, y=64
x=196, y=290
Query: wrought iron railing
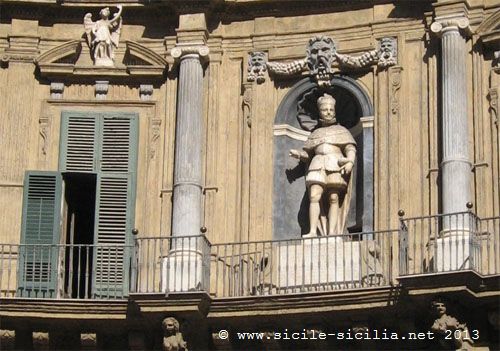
x=265, y=267
x=79, y=271
x=423, y=245
x=449, y=243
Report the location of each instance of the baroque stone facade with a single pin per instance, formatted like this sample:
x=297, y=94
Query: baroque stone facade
x=150, y=202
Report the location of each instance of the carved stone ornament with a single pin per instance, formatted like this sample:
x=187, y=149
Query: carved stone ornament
x=172, y=337
x=257, y=67
x=443, y=25
x=387, y=52
x=445, y=323
x=146, y=91
x=101, y=89
x=56, y=90
x=103, y=36
x=180, y=51
x=40, y=340
x=88, y=341
x=7, y=339
x=322, y=57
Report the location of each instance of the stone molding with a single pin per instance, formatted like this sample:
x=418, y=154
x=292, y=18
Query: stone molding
x=49, y=66
x=290, y=131
x=458, y=24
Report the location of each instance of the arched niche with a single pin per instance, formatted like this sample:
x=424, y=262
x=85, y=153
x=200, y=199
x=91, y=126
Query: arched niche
x=290, y=201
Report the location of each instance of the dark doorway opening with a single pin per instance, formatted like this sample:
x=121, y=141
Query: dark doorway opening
x=80, y=204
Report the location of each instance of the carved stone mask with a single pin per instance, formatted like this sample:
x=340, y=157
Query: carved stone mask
x=387, y=51
x=257, y=66
x=320, y=57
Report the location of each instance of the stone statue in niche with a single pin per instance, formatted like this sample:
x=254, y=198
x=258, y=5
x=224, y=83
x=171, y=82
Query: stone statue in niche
x=446, y=324
x=172, y=338
x=103, y=36
x=329, y=154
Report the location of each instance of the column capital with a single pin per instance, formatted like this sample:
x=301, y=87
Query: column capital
x=442, y=25
x=181, y=51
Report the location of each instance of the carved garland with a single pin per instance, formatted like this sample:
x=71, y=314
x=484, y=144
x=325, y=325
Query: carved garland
x=321, y=58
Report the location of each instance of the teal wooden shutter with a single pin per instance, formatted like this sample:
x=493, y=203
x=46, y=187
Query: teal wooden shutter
x=79, y=147
x=115, y=203
x=40, y=233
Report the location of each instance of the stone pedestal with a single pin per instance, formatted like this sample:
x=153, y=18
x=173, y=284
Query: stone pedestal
x=452, y=253
x=319, y=262
x=184, y=270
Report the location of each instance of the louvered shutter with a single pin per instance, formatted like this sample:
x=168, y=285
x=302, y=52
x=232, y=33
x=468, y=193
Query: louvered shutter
x=79, y=146
x=115, y=200
x=40, y=233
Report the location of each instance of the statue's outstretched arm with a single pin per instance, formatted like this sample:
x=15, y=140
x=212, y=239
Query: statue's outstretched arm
x=300, y=155
x=117, y=15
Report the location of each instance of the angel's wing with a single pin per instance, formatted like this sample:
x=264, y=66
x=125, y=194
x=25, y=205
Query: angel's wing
x=88, y=25
x=115, y=33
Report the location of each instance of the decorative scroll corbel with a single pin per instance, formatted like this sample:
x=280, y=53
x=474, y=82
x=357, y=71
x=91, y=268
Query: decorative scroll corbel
x=246, y=104
x=44, y=127
x=154, y=131
x=395, y=81
x=322, y=57
x=493, y=99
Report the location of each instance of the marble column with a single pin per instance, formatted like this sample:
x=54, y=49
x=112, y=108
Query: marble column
x=452, y=250
x=456, y=164
x=183, y=268
x=189, y=139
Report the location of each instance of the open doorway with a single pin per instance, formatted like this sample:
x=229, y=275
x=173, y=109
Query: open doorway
x=78, y=233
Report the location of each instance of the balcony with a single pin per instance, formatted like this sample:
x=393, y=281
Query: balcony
x=427, y=247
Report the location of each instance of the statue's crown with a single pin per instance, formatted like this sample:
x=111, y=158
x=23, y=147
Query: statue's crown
x=325, y=99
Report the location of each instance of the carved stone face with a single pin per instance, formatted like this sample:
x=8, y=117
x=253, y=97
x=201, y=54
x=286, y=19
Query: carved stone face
x=440, y=308
x=327, y=112
x=387, y=51
x=258, y=59
x=170, y=326
x=257, y=66
x=320, y=58
x=105, y=13
x=320, y=54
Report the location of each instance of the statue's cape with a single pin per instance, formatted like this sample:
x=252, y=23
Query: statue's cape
x=334, y=134
x=339, y=136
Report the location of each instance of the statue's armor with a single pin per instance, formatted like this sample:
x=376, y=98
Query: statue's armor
x=328, y=145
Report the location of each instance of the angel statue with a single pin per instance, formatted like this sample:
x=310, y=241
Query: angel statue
x=103, y=36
